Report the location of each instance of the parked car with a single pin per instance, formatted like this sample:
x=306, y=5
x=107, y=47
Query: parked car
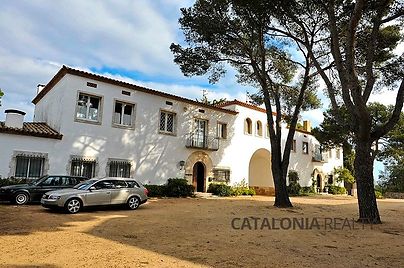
x=21, y=194
x=98, y=192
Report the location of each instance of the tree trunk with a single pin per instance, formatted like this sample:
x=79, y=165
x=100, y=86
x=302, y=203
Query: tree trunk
x=281, y=193
x=368, y=211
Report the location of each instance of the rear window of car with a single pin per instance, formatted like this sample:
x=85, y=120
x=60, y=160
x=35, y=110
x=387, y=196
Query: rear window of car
x=132, y=184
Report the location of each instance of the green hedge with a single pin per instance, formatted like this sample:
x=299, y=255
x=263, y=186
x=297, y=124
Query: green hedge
x=173, y=188
x=294, y=188
x=221, y=189
x=333, y=189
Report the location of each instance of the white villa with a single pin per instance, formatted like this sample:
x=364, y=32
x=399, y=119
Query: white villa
x=90, y=125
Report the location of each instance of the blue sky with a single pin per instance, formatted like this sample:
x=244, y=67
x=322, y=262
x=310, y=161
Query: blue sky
x=127, y=40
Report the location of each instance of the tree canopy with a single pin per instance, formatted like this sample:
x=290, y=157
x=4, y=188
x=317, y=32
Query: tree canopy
x=1, y=95
x=237, y=33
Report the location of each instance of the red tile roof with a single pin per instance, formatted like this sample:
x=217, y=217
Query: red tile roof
x=36, y=129
x=67, y=70
x=244, y=104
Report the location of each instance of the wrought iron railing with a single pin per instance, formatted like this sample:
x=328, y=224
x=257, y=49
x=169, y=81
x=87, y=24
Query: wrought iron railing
x=318, y=156
x=202, y=142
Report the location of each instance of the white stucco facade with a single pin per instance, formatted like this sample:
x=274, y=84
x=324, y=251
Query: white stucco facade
x=153, y=155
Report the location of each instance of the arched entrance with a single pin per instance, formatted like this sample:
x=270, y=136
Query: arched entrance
x=198, y=165
x=318, y=176
x=198, y=176
x=260, y=173
x=319, y=182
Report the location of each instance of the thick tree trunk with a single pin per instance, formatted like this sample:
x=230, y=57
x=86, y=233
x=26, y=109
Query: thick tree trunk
x=281, y=193
x=368, y=211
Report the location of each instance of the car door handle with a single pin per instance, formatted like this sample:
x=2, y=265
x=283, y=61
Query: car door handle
x=108, y=192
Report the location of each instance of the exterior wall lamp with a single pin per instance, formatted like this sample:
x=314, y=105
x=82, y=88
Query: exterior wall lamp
x=181, y=164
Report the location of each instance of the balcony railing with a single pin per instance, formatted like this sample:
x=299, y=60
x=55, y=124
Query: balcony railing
x=202, y=142
x=318, y=156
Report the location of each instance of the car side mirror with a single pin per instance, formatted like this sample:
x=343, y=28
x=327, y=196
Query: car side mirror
x=92, y=188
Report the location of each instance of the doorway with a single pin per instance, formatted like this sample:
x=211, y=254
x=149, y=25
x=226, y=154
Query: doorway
x=199, y=177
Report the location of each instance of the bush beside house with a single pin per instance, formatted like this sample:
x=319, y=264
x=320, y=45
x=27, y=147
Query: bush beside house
x=221, y=189
x=173, y=188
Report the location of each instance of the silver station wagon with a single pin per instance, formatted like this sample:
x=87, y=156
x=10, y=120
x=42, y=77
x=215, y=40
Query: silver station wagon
x=97, y=192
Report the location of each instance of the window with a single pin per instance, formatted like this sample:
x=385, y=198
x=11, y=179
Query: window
x=338, y=154
x=305, y=147
x=104, y=185
x=221, y=175
x=258, y=130
x=167, y=122
x=83, y=167
x=293, y=149
x=123, y=114
x=248, y=126
x=132, y=184
x=88, y=107
x=222, y=130
x=29, y=167
x=52, y=181
x=119, y=169
x=119, y=184
x=330, y=153
x=330, y=179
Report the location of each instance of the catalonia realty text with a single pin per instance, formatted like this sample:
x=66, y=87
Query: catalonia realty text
x=296, y=223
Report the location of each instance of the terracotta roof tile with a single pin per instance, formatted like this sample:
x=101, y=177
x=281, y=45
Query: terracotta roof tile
x=244, y=104
x=36, y=129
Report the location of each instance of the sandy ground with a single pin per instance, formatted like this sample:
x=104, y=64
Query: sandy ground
x=199, y=233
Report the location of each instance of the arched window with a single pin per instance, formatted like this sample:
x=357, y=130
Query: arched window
x=248, y=126
x=258, y=129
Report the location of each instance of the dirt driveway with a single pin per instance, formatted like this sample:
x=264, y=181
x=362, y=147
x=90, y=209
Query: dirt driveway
x=200, y=232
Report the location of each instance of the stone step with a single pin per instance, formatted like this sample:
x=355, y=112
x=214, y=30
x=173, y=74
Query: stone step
x=203, y=195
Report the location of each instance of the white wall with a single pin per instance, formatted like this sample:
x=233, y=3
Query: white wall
x=155, y=156
x=10, y=144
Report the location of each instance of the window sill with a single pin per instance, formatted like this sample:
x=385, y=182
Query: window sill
x=168, y=133
x=122, y=126
x=87, y=121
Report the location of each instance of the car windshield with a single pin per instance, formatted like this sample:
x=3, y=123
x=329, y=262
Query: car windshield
x=37, y=181
x=84, y=185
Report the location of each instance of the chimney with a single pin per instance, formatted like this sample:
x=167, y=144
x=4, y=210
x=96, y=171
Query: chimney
x=14, y=118
x=39, y=88
x=307, y=125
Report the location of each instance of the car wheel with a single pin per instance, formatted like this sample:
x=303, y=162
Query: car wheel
x=21, y=198
x=133, y=202
x=73, y=206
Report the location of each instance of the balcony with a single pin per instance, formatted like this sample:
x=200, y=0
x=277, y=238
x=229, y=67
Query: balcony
x=318, y=156
x=202, y=142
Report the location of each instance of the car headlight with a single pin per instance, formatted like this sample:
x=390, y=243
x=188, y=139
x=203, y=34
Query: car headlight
x=54, y=197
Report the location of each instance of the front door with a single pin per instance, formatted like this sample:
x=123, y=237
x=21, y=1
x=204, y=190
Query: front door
x=199, y=177
x=200, y=133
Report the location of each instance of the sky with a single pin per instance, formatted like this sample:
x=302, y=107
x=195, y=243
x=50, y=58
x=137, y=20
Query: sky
x=127, y=40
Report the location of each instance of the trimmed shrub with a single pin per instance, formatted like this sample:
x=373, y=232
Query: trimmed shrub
x=333, y=189
x=173, y=188
x=179, y=188
x=220, y=189
x=156, y=190
x=307, y=190
x=294, y=188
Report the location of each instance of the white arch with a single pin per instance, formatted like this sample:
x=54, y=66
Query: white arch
x=260, y=171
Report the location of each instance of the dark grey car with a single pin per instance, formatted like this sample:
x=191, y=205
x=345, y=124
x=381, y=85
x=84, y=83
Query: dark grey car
x=21, y=194
x=97, y=192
